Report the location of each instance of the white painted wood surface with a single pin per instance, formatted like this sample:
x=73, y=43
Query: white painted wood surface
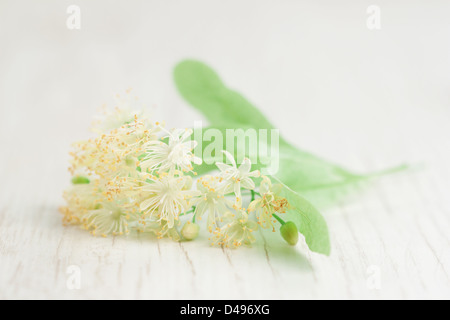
x=364, y=99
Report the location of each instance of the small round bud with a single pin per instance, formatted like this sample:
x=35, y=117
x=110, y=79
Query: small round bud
x=190, y=230
x=289, y=232
x=130, y=162
x=80, y=180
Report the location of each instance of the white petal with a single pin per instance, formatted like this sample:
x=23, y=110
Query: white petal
x=190, y=145
x=201, y=209
x=255, y=174
x=245, y=167
x=265, y=186
x=252, y=206
x=146, y=203
x=230, y=157
x=186, y=134
x=223, y=167
x=177, y=133
x=248, y=183
x=197, y=160
x=229, y=188
x=237, y=189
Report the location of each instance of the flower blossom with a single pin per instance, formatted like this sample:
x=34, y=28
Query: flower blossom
x=237, y=178
x=175, y=154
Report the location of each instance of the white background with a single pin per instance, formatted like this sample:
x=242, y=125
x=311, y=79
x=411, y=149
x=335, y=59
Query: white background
x=364, y=99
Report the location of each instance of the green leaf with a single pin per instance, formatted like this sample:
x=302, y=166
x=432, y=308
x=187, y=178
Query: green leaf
x=308, y=220
x=227, y=109
x=205, y=167
x=223, y=107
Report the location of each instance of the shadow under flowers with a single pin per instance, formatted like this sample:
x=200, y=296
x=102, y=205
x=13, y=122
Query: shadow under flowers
x=279, y=254
x=269, y=249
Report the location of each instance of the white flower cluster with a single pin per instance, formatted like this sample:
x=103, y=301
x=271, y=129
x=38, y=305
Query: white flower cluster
x=135, y=174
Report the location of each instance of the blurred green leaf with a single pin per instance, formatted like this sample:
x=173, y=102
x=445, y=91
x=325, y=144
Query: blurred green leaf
x=227, y=109
x=203, y=89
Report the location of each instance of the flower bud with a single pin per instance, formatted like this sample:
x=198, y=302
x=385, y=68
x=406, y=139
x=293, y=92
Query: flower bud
x=190, y=230
x=80, y=180
x=289, y=232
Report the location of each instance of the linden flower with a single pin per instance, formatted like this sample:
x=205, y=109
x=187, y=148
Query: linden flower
x=237, y=232
x=109, y=217
x=211, y=199
x=113, y=154
x=166, y=197
x=128, y=108
x=80, y=199
x=160, y=228
x=123, y=186
x=176, y=154
x=237, y=178
x=268, y=204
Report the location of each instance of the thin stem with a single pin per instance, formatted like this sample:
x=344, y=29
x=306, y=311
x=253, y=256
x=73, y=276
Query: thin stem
x=253, y=192
x=195, y=215
x=281, y=221
x=253, y=195
x=188, y=212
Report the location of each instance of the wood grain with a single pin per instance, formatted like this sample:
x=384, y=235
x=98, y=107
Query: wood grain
x=350, y=95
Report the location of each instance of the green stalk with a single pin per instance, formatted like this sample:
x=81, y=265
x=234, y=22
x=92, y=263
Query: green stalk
x=281, y=221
